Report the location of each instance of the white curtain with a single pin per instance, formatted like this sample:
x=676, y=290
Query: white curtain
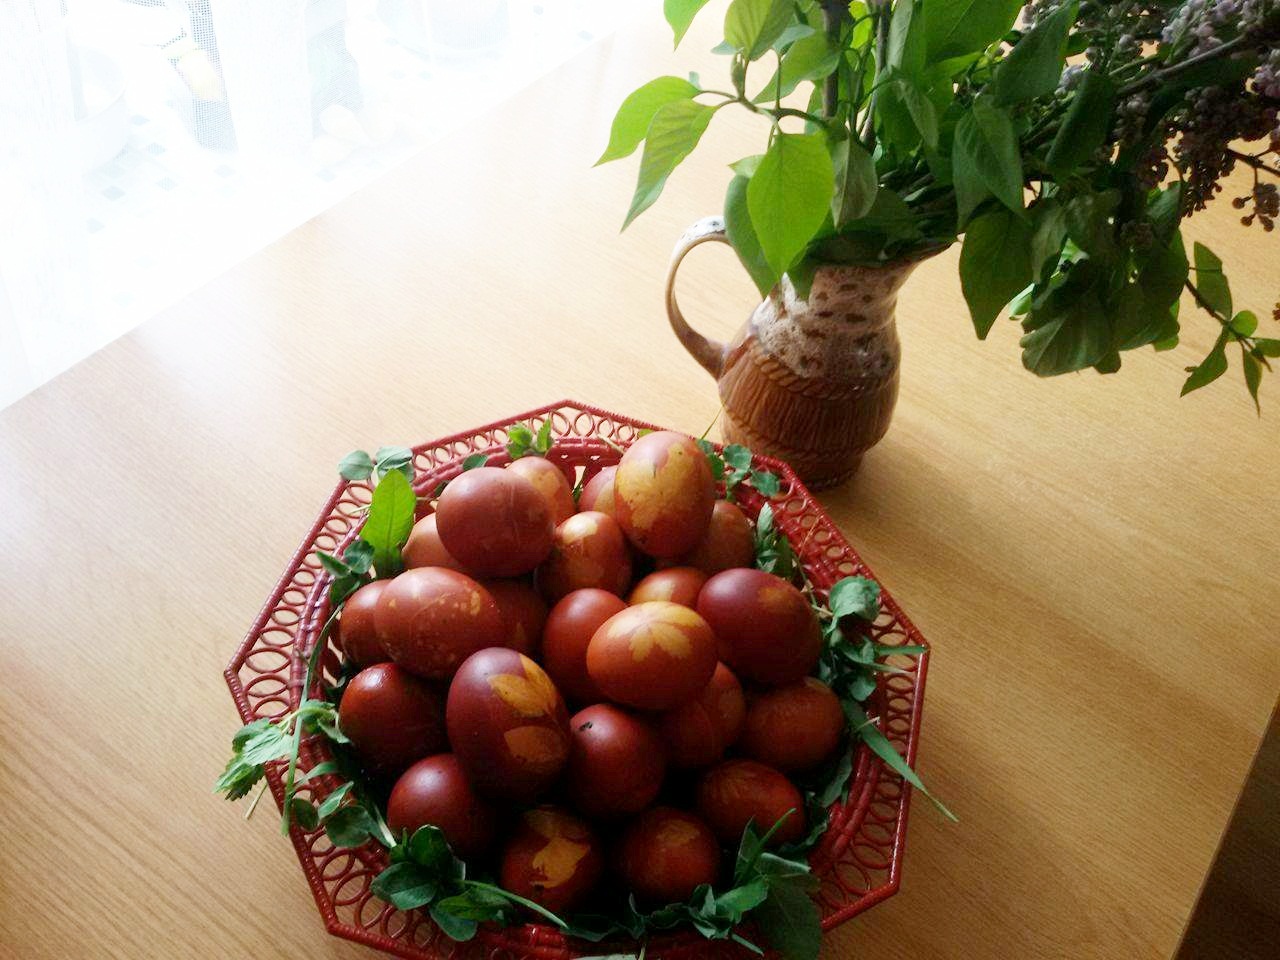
x=148, y=145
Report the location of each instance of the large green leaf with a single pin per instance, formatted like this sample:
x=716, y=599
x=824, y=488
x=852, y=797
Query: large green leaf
x=995, y=264
x=680, y=14
x=789, y=195
x=1210, y=368
x=985, y=161
x=1090, y=222
x=791, y=921
x=1211, y=281
x=1034, y=65
x=1164, y=273
x=637, y=112
x=753, y=25
x=1085, y=127
x=1049, y=232
x=742, y=235
x=676, y=129
x=1072, y=337
x=907, y=37
x=809, y=58
x=907, y=114
x=957, y=27
x=856, y=185
x=388, y=522
x=1141, y=320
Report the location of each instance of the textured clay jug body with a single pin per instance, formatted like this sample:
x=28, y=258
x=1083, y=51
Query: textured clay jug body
x=814, y=381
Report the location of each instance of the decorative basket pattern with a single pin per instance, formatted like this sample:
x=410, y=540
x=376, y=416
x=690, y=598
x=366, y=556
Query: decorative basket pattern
x=859, y=860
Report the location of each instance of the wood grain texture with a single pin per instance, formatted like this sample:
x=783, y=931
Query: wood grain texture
x=1093, y=558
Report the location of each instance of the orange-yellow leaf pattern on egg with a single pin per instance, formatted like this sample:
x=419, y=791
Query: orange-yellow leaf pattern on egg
x=530, y=696
x=559, y=859
x=660, y=487
x=675, y=833
x=539, y=747
x=667, y=637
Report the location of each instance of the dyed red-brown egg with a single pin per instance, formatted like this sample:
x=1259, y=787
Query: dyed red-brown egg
x=616, y=762
x=730, y=541
x=676, y=584
x=550, y=482
x=356, y=634
x=569, y=628
x=665, y=854
x=589, y=550
x=698, y=733
x=664, y=494
x=523, y=613
x=435, y=791
x=495, y=522
x=507, y=724
x=795, y=727
x=553, y=859
x=597, y=493
x=425, y=549
x=431, y=619
x=391, y=717
x=654, y=656
x=737, y=792
x=767, y=631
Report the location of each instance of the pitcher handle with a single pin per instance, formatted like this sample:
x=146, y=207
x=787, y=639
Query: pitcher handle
x=709, y=353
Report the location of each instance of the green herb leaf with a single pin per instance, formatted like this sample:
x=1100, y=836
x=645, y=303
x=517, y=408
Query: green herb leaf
x=986, y=161
x=1086, y=125
x=356, y=465
x=790, y=919
x=304, y=814
x=1211, y=367
x=349, y=826
x=752, y=26
x=1244, y=323
x=406, y=886
x=873, y=737
x=429, y=848
x=1211, y=281
x=394, y=458
x=542, y=443
x=856, y=597
x=855, y=181
x=674, y=132
x=737, y=456
x=789, y=195
x=519, y=441
x=995, y=264
x=451, y=925
x=637, y=111
x=957, y=27
x=1252, y=375
x=714, y=460
x=474, y=460
x=679, y=14
x=1267, y=346
x=390, y=518
x=768, y=484
x=1034, y=65
x=321, y=769
x=334, y=800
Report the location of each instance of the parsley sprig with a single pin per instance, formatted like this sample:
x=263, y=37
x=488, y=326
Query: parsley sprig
x=732, y=466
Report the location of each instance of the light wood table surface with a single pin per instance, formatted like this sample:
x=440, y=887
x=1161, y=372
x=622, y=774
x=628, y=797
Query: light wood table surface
x=1093, y=559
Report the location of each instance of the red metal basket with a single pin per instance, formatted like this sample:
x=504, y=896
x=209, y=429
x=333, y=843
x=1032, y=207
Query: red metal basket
x=859, y=860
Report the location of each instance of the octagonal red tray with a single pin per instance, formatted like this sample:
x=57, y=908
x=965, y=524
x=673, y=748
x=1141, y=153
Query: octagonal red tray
x=859, y=860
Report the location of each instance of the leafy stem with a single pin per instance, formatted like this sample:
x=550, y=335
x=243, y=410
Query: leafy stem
x=1157, y=77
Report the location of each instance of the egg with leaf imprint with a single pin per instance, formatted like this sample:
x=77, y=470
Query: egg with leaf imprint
x=664, y=494
x=565, y=636
x=430, y=619
x=665, y=854
x=654, y=656
x=494, y=522
x=550, y=482
x=597, y=493
x=589, y=550
x=729, y=542
x=553, y=858
x=507, y=724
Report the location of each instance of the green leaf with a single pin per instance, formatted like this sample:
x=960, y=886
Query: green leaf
x=474, y=460
x=880, y=745
x=1211, y=367
x=1049, y=232
x=334, y=565
x=349, y=826
x=1141, y=320
x=767, y=483
x=303, y=813
x=390, y=518
x=519, y=441
x=1086, y=125
x=1089, y=223
x=855, y=181
x=405, y=886
x=1245, y=323
x=1164, y=210
x=1252, y=375
x=995, y=264
x=1108, y=364
x=907, y=37
x=637, y=111
x=429, y=849
x=1068, y=333
x=319, y=770
x=742, y=236
x=453, y=926
x=855, y=597
x=1211, y=281
x=394, y=458
x=752, y=26
x=676, y=129
x=810, y=58
x=957, y=27
x=986, y=161
x=714, y=460
x=1034, y=66
x=737, y=902
x=1267, y=346
x=790, y=919
x=356, y=465
x=542, y=445
x=737, y=456
x=1164, y=273
x=334, y=800
x=679, y=14
x=358, y=556
x=789, y=196
x=907, y=114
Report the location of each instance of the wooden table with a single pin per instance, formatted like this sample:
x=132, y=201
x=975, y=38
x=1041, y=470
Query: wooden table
x=1092, y=557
